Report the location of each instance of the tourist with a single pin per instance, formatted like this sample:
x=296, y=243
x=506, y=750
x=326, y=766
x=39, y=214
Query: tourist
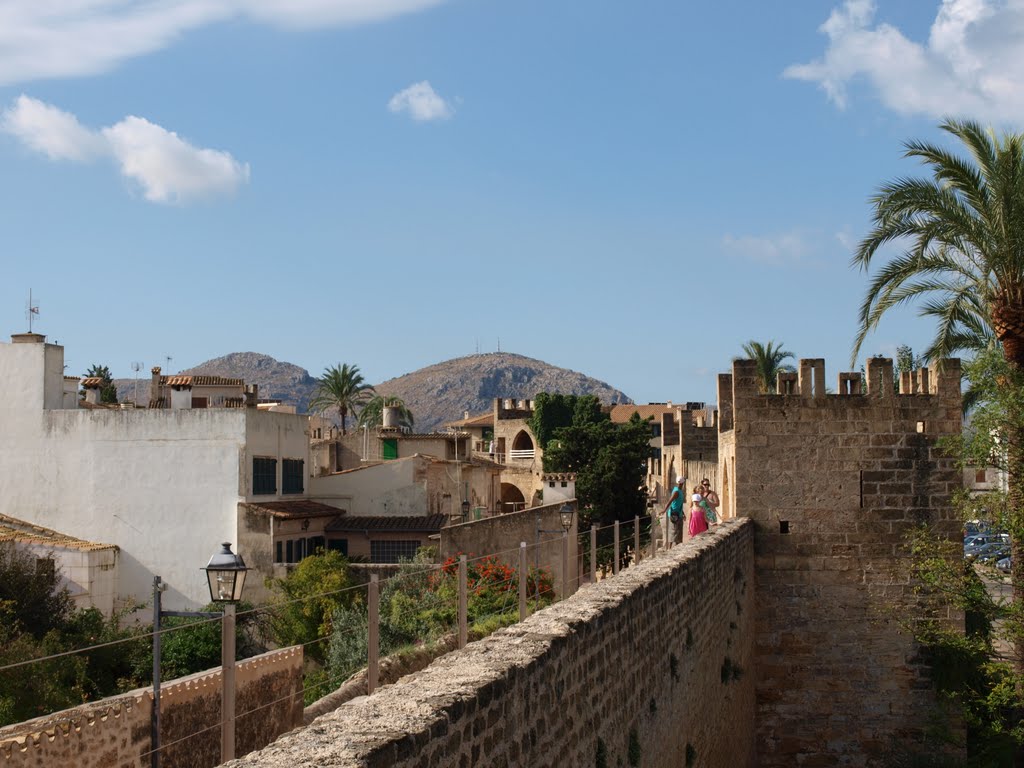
x=711, y=499
x=698, y=520
x=674, y=511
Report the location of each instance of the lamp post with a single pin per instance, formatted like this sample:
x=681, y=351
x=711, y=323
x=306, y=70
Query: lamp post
x=225, y=574
x=565, y=516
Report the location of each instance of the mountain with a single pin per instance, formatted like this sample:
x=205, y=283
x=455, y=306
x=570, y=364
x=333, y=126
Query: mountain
x=435, y=394
x=277, y=380
x=443, y=392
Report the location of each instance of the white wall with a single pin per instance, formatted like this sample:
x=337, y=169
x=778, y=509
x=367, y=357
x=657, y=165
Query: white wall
x=388, y=489
x=163, y=485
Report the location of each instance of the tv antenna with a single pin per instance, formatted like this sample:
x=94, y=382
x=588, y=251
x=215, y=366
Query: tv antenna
x=136, y=367
x=168, y=358
x=31, y=310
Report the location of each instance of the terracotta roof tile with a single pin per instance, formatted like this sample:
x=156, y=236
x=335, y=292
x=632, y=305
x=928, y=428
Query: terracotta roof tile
x=12, y=529
x=200, y=381
x=92, y=381
x=425, y=523
x=296, y=508
x=482, y=420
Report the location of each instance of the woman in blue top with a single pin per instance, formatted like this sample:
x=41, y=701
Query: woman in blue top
x=674, y=511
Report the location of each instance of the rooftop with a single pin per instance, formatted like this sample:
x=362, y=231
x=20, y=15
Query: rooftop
x=12, y=529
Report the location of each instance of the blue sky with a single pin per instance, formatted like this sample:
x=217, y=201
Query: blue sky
x=631, y=190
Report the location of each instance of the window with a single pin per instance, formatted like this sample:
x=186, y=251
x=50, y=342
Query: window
x=392, y=551
x=655, y=430
x=289, y=549
x=338, y=545
x=279, y=552
x=565, y=484
x=389, y=449
x=291, y=476
x=200, y=402
x=313, y=543
x=979, y=475
x=264, y=476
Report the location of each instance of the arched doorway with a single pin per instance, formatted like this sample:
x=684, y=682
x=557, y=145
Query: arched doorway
x=512, y=498
x=522, y=446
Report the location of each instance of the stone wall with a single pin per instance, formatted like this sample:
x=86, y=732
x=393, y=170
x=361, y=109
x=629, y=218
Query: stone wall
x=115, y=732
x=652, y=667
x=503, y=533
x=833, y=483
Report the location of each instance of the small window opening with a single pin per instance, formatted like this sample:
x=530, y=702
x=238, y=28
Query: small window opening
x=783, y=526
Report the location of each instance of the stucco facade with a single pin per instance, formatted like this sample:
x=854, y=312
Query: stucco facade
x=163, y=485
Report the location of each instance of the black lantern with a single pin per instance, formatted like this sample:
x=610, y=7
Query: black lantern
x=226, y=574
x=566, y=513
x=465, y=509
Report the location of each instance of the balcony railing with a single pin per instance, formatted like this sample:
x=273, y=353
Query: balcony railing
x=528, y=453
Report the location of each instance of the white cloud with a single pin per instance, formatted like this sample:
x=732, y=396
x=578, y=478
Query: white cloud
x=421, y=102
x=55, y=133
x=970, y=63
x=784, y=249
x=166, y=167
x=71, y=38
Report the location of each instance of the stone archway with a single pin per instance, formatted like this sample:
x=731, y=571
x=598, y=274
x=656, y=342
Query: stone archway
x=512, y=498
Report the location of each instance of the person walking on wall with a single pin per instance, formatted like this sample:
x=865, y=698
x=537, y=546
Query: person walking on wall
x=698, y=519
x=711, y=502
x=675, y=512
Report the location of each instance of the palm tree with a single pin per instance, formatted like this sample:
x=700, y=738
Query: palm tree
x=341, y=387
x=769, y=359
x=372, y=414
x=964, y=260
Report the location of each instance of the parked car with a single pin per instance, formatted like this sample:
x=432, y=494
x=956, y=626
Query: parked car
x=989, y=553
x=1004, y=564
x=971, y=543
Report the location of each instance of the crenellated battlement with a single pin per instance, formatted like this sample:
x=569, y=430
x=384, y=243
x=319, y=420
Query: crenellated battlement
x=935, y=388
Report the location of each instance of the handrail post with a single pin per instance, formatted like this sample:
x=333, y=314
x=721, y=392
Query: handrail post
x=523, y=576
x=636, y=540
x=463, y=603
x=227, y=677
x=593, y=555
x=615, y=561
x=565, y=564
x=154, y=739
x=373, y=638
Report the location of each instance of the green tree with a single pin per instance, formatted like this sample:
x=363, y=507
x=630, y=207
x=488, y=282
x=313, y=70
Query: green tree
x=341, y=387
x=769, y=359
x=38, y=620
x=108, y=390
x=304, y=601
x=372, y=414
x=610, y=461
x=30, y=588
x=963, y=227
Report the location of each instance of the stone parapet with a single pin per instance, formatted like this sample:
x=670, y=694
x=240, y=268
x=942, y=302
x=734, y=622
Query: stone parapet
x=649, y=666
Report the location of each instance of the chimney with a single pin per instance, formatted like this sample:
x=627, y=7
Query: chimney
x=465, y=415
x=28, y=338
x=92, y=390
x=154, y=386
x=252, y=392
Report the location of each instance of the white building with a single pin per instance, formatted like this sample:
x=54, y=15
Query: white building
x=164, y=485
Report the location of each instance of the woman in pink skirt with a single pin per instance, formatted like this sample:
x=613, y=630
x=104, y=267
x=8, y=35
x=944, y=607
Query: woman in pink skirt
x=698, y=523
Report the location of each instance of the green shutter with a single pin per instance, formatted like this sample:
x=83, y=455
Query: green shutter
x=390, y=449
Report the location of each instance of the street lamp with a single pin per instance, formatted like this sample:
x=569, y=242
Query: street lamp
x=225, y=574
x=565, y=516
